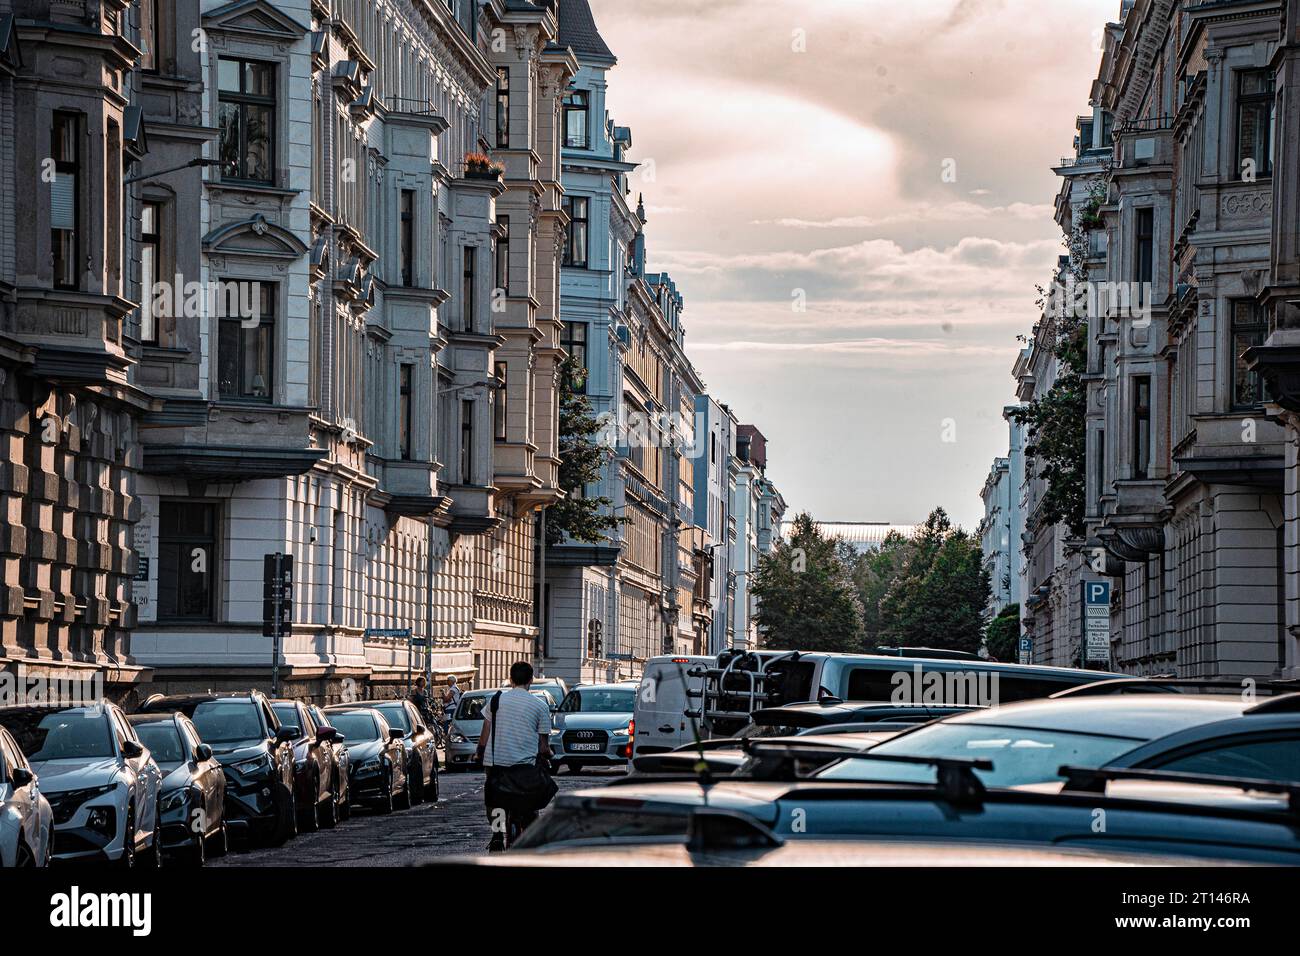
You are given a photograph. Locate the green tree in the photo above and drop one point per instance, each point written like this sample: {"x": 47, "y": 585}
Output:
{"x": 582, "y": 458}
{"x": 806, "y": 599}
{"x": 938, "y": 597}
{"x": 873, "y": 573}
{"x": 1003, "y": 635}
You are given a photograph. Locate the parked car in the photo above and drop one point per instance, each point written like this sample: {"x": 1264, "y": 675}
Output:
{"x": 593, "y": 727}
{"x": 1029, "y": 742}
{"x": 417, "y": 739}
{"x": 790, "y": 719}
{"x": 467, "y": 725}
{"x": 313, "y": 766}
{"x": 256, "y": 754}
{"x": 554, "y": 688}
{"x": 340, "y": 760}
{"x": 377, "y": 759}
{"x": 191, "y": 808}
{"x": 26, "y": 820}
{"x": 953, "y": 820}
{"x": 100, "y": 780}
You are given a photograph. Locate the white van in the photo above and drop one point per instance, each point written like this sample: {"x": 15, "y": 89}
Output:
{"x": 671, "y": 687}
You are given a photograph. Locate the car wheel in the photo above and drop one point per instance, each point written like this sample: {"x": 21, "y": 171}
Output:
{"x": 220, "y": 842}
{"x": 403, "y": 802}
{"x": 198, "y": 853}
{"x": 127, "y": 860}
{"x": 329, "y": 816}
{"x": 23, "y": 856}
{"x": 286, "y": 827}
{"x": 345, "y": 807}
{"x": 415, "y": 784}
{"x": 433, "y": 785}
{"x": 385, "y": 802}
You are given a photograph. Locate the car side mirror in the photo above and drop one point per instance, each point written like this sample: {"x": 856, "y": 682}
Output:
{"x": 324, "y": 733}
{"x": 420, "y": 729}
{"x": 131, "y": 749}
{"x": 202, "y": 752}
{"x": 21, "y": 777}
{"x": 395, "y": 734}
{"x": 287, "y": 733}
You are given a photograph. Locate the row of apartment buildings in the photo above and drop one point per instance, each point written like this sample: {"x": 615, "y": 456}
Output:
{"x": 372, "y": 232}
{"x": 1182, "y": 218}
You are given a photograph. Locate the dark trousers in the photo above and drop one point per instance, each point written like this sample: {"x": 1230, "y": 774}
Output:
{"x": 506, "y": 824}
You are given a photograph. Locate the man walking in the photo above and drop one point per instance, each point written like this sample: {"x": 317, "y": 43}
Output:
{"x": 514, "y": 747}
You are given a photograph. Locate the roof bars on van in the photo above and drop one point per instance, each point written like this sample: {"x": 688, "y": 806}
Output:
{"x": 1095, "y": 779}
{"x": 1172, "y": 685}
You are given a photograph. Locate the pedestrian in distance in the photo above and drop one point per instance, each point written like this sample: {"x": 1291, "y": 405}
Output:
{"x": 515, "y": 749}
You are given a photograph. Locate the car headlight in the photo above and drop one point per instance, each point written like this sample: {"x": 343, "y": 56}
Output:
{"x": 622, "y": 731}
{"x": 369, "y": 766}
{"x": 260, "y": 764}
{"x": 174, "y": 799}
{"x": 458, "y": 738}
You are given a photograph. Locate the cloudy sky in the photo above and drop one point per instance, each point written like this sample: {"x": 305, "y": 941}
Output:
{"x": 855, "y": 197}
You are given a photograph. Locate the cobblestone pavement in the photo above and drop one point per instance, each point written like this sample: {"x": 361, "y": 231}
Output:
{"x": 455, "y": 825}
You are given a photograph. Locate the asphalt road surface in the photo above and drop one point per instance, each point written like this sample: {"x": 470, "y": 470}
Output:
{"x": 454, "y": 826}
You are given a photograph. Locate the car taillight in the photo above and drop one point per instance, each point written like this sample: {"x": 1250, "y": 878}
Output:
{"x": 631, "y": 739}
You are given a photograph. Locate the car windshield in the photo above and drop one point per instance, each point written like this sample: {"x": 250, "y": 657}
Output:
{"x": 1019, "y": 755}
{"x": 395, "y": 714}
{"x": 287, "y": 715}
{"x": 75, "y": 734}
{"x": 224, "y": 722}
{"x": 471, "y": 708}
{"x": 600, "y": 702}
{"x": 163, "y": 740}
{"x": 355, "y": 728}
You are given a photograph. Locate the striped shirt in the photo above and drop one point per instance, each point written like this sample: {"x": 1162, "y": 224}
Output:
{"x": 520, "y": 717}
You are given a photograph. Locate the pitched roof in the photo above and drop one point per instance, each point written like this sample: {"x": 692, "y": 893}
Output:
{"x": 578, "y": 32}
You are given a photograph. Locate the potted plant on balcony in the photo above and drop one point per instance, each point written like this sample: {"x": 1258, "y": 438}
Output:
{"x": 480, "y": 166}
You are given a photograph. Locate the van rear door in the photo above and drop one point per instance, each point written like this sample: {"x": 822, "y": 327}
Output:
{"x": 662, "y": 702}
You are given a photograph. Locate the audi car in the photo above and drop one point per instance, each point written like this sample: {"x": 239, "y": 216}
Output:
{"x": 593, "y": 727}
{"x": 101, "y": 781}
{"x": 421, "y": 752}
{"x": 377, "y": 759}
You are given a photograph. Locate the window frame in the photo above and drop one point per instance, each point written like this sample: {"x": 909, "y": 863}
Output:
{"x": 406, "y": 203}
{"x": 1255, "y": 330}
{"x": 150, "y": 241}
{"x": 577, "y": 102}
{"x": 186, "y": 542}
{"x": 503, "y": 107}
{"x": 500, "y": 402}
{"x": 469, "y": 279}
{"x": 269, "y": 292}
{"x": 571, "y": 242}
{"x": 405, "y": 408}
{"x": 1140, "y": 400}
{"x": 242, "y": 100}
{"x": 1249, "y": 101}
{"x": 576, "y": 345}
{"x": 70, "y": 136}
{"x": 503, "y": 256}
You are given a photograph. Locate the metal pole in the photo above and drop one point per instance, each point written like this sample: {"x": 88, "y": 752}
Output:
{"x": 277, "y": 597}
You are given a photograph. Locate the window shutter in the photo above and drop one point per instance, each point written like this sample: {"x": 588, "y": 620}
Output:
{"x": 63, "y": 195}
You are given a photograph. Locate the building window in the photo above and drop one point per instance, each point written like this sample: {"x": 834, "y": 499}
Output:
{"x": 1144, "y": 247}
{"x": 245, "y": 348}
{"x": 187, "y": 539}
{"x": 1141, "y": 426}
{"x": 574, "y": 341}
{"x": 499, "y": 402}
{"x": 503, "y": 107}
{"x": 150, "y": 257}
{"x": 407, "y": 237}
{"x": 575, "y": 120}
{"x": 470, "y": 257}
{"x": 503, "y": 255}
{"x": 149, "y": 36}
{"x": 65, "y": 199}
{"x": 246, "y": 116}
{"x": 467, "y": 442}
{"x": 1248, "y": 330}
{"x": 1256, "y": 118}
{"x": 575, "y": 247}
{"x": 404, "y": 410}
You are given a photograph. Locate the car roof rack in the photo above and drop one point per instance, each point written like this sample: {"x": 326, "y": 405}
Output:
{"x": 1172, "y": 685}
{"x": 1095, "y": 779}
{"x": 955, "y": 776}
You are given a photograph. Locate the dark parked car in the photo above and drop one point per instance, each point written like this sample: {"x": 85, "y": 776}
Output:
{"x": 421, "y": 752}
{"x": 338, "y": 751}
{"x": 376, "y": 757}
{"x": 1029, "y": 742}
{"x": 191, "y": 808}
{"x": 255, "y": 752}
{"x": 790, "y": 719}
{"x": 313, "y": 766}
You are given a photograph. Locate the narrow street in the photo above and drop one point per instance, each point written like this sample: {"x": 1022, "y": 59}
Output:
{"x": 454, "y": 825}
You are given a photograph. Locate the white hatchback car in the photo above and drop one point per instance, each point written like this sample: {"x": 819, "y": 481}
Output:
{"x": 26, "y": 821}
{"x": 101, "y": 782}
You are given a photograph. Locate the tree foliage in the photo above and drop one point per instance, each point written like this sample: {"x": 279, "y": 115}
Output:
{"x": 806, "y": 599}
{"x": 1003, "y": 635}
{"x": 582, "y": 458}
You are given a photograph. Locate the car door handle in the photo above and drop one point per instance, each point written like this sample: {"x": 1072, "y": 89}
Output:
{"x": 666, "y": 729}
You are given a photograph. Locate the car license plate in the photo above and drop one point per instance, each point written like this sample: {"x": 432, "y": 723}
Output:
{"x": 584, "y": 746}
